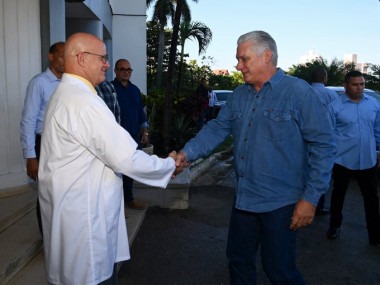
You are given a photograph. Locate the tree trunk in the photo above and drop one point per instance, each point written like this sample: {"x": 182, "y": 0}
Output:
{"x": 169, "y": 82}
{"x": 161, "y": 44}
{"x": 180, "y": 68}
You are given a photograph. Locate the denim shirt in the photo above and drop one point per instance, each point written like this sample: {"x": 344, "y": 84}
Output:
{"x": 283, "y": 143}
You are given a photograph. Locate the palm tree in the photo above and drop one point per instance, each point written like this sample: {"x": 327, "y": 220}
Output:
{"x": 189, "y": 30}
{"x": 169, "y": 80}
{"x": 163, "y": 10}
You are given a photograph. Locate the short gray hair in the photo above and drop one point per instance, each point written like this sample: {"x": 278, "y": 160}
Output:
{"x": 262, "y": 42}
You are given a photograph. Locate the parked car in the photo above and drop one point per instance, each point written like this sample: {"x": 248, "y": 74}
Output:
{"x": 221, "y": 98}
{"x": 340, "y": 90}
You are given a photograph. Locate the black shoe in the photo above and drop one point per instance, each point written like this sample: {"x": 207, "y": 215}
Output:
{"x": 333, "y": 233}
{"x": 374, "y": 242}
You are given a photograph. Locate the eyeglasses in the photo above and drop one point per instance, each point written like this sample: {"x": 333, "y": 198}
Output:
{"x": 122, "y": 69}
{"x": 103, "y": 57}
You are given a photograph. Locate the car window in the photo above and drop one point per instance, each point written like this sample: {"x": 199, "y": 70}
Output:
{"x": 222, "y": 96}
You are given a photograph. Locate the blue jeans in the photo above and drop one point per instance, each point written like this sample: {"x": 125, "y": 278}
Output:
{"x": 271, "y": 231}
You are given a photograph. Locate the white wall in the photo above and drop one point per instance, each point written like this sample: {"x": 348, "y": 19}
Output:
{"x": 129, "y": 37}
{"x": 20, "y": 60}
{"x": 27, "y": 29}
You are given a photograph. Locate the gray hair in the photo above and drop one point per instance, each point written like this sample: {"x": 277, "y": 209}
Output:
{"x": 262, "y": 42}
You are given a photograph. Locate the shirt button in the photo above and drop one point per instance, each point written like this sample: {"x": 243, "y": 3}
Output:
{"x": 243, "y": 157}
{"x": 254, "y": 109}
{"x": 250, "y": 124}
{"x": 242, "y": 175}
{"x": 245, "y": 140}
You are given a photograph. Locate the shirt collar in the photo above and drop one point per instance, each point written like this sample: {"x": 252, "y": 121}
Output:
{"x": 51, "y": 75}
{"x": 316, "y": 84}
{"x": 276, "y": 78}
{"x": 273, "y": 81}
{"x": 85, "y": 81}
{"x": 119, "y": 83}
{"x": 346, "y": 99}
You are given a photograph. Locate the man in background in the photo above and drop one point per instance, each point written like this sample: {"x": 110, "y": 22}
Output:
{"x": 211, "y": 104}
{"x": 38, "y": 93}
{"x": 355, "y": 117}
{"x": 319, "y": 80}
{"x": 107, "y": 92}
{"x": 133, "y": 120}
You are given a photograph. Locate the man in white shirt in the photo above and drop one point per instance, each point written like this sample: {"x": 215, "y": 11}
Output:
{"x": 84, "y": 151}
{"x": 38, "y": 93}
{"x": 211, "y": 104}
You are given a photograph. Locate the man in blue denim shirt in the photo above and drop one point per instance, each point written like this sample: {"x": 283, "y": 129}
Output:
{"x": 283, "y": 155}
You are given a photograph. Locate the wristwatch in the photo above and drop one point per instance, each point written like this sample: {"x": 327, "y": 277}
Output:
{"x": 147, "y": 134}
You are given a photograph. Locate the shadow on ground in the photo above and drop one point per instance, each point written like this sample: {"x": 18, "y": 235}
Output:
{"x": 188, "y": 246}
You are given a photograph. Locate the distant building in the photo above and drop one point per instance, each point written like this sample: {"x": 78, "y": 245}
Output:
{"x": 221, "y": 72}
{"x": 353, "y": 58}
{"x": 348, "y": 58}
{"x": 312, "y": 55}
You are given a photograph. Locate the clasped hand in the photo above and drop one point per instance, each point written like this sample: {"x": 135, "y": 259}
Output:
{"x": 180, "y": 162}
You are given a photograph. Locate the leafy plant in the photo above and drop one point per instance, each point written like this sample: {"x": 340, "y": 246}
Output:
{"x": 182, "y": 131}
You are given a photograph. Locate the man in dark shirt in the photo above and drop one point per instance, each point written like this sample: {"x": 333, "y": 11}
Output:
{"x": 132, "y": 118}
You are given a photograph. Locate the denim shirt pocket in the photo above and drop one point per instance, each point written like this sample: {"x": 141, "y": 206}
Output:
{"x": 277, "y": 125}
{"x": 235, "y": 115}
{"x": 235, "y": 118}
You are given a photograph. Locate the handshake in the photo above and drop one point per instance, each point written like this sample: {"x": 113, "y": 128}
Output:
{"x": 180, "y": 162}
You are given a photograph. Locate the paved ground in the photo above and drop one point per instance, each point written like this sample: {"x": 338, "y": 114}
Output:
{"x": 188, "y": 246}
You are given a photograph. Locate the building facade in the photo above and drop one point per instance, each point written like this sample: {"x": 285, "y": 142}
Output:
{"x": 353, "y": 58}
{"x": 29, "y": 27}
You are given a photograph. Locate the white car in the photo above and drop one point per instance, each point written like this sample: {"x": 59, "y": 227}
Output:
{"x": 221, "y": 98}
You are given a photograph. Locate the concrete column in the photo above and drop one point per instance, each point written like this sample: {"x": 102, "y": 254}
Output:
{"x": 75, "y": 25}
{"x": 129, "y": 37}
{"x": 52, "y": 17}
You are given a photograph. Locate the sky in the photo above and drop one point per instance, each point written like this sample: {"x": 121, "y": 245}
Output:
{"x": 331, "y": 27}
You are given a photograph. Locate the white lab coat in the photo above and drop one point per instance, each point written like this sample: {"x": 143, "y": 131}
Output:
{"x": 83, "y": 152}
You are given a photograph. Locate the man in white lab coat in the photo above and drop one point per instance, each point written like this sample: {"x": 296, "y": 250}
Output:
{"x": 83, "y": 154}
